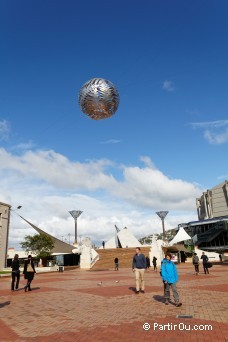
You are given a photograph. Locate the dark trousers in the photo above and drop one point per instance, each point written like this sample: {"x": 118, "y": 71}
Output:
{"x": 205, "y": 268}
{"x": 196, "y": 268}
{"x": 15, "y": 277}
{"x": 116, "y": 266}
{"x": 30, "y": 276}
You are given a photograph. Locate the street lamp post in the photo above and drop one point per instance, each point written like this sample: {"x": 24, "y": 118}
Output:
{"x": 162, "y": 215}
{"x": 75, "y": 214}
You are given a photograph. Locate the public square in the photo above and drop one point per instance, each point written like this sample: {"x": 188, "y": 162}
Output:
{"x": 74, "y": 306}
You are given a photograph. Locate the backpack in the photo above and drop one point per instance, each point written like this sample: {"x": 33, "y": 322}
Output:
{"x": 195, "y": 259}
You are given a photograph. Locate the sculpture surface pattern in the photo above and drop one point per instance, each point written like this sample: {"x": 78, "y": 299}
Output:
{"x": 98, "y": 98}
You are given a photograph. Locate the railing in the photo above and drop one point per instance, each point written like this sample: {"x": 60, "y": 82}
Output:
{"x": 93, "y": 262}
{"x": 210, "y": 234}
{"x": 95, "y": 258}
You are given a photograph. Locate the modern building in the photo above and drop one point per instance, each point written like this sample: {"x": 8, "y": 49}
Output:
{"x": 214, "y": 202}
{"x": 4, "y": 232}
{"x": 210, "y": 232}
{"x": 209, "y": 235}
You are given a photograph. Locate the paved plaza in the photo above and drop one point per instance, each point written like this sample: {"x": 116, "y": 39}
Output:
{"x": 74, "y": 306}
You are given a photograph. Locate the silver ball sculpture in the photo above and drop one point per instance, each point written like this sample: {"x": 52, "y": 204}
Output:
{"x": 98, "y": 98}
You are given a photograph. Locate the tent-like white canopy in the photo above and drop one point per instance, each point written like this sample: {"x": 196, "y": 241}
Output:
{"x": 181, "y": 236}
{"x": 126, "y": 239}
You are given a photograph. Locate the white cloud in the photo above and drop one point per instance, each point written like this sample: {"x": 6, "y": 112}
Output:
{"x": 215, "y": 132}
{"x": 168, "y": 86}
{"x": 216, "y": 138}
{"x": 224, "y": 177}
{"x": 211, "y": 124}
{"x": 111, "y": 141}
{"x": 4, "y": 129}
{"x": 150, "y": 188}
{"x": 48, "y": 185}
{"x": 23, "y": 146}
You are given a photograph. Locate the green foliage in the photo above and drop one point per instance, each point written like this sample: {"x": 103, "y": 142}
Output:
{"x": 39, "y": 244}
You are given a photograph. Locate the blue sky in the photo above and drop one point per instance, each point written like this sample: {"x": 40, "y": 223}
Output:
{"x": 166, "y": 143}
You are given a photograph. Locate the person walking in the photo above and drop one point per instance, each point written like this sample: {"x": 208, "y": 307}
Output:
{"x": 103, "y": 244}
{"x": 116, "y": 261}
{"x": 15, "y": 272}
{"x": 138, "y": 266}
{"x": 195, "y": 261}
{"x": 29, "y": 271}
{"x": 155, "y": 263}
{"x": 170, "y": 277}
{"x": 147, "y": 263}
{"x": 205, "y": 259}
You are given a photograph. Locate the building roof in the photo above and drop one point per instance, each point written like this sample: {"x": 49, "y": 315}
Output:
{"x": 212, "y": 220}
{"x": 180, "y": 236}
{"x": 175, "y": 248}
{"x": 59, "y": 246}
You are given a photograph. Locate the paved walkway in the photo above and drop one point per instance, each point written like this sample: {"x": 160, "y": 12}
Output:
{"x": 71, "y": 306}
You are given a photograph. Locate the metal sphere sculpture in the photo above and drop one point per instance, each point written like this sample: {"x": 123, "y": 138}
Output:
{"x": 98, "y": 98}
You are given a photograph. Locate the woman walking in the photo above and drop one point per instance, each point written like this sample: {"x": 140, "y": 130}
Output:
{"x": 29, "y": 271}
{"x": 169, "y": 277}
{"x": 15, "y": 272}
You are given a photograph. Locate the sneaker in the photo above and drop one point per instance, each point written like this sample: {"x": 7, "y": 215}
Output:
{"x": 136, "y": 292}
{"x": 142, "y": 291}
{"x": 178, "y": 305}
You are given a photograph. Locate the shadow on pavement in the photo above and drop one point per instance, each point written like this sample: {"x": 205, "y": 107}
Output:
{"x": 35, "y": 288}
{"x": 159, "y": 298}
{"x": 4, "y": 304}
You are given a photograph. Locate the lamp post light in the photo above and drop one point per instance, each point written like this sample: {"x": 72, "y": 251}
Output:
{"x": 162, "y": 215}
{"x": 75, "y": 214}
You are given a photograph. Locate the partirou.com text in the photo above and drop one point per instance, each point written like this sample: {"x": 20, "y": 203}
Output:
{"x": 180, "y": 326}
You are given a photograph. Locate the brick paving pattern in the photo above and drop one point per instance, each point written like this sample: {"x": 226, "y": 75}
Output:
{"x": 73, "y": 306}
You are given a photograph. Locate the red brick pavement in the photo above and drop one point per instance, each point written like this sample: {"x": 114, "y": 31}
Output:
{"x": 72, "y": 307}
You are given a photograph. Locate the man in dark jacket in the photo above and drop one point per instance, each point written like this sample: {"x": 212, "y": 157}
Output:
{"x": 139, "y": 266}
{"x": 116, "y": 261}
{"x": 204, "y": 257}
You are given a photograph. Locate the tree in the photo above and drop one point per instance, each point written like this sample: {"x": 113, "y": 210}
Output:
{"x": 39, "y": 244}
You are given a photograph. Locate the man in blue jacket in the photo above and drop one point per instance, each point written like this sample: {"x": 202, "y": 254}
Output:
{"x": 139, "y": 266}
{"x": 170, "y": 277}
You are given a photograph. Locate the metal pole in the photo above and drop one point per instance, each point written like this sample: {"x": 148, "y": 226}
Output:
{"x": 163, "y": 229}
{"x": 162, "y": 215}
{"x": 76, "y": 232}
{"x": 75, "y": 214}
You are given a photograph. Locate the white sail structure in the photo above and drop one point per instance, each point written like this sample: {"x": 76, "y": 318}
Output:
{"x": 180, "y": 236}
{"x": 122, "y": 239}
